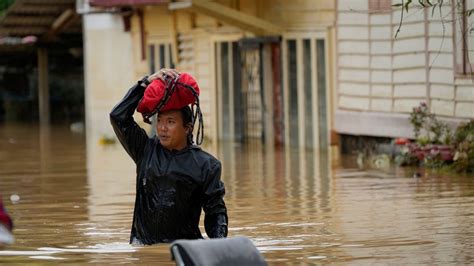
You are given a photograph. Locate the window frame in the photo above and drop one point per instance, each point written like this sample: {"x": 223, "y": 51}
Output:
{"x": 299, "y": 38}
{"x": 155, "y": 59}
{"x": 463, "y": 66}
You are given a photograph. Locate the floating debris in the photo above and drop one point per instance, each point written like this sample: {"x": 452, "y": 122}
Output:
{"x": 380, "y": 161}
{"x": 77, "y": 127}
{"x": 106, "y": 140}
{"x": 14, "y": 198}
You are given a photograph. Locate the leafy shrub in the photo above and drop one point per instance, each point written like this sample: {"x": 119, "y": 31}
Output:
{"x": 464, "y": 148}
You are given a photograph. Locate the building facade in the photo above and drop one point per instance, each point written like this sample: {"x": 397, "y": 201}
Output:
{"x": 264, "y": 67}
{"x": 380, "y": 78}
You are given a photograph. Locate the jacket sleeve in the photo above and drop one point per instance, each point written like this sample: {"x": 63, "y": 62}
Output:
{"x": 215, "y": 219}
{"x": 129, "y": 133}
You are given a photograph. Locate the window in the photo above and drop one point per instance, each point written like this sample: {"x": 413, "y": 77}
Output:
{"x": 305, "y": 92}
{"x": 231, "y": 99}
{"x": 378, "y": 6}
{"x": 464, "y": 37}
{"x": 159, "y": 56}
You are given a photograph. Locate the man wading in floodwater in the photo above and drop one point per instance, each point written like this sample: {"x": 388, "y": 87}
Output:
{"x": 175, "y": 178}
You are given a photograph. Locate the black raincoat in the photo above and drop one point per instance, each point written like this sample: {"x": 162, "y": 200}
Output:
{"x": 172, "y": 186}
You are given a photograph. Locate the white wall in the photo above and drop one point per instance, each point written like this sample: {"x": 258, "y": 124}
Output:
{"x": 109, "y": 72}
{"x": 383, "y": 76}
{"x": 108, "y": 69}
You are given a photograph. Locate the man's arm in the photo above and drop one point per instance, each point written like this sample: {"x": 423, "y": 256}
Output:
{"x": 129, "y": 133}
{"x": 215, "y": 220}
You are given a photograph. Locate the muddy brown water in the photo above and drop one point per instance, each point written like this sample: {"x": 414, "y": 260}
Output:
{"x": 76, "y": 201}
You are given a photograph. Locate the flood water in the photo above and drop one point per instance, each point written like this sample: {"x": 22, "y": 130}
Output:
{"x": 76, "y": 201}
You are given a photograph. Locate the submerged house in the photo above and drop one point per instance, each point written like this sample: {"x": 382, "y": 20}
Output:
{"x": 264, "y": 67}
{"x": 380, "y": 78}
{"x": 297, "y": 73}
{"x": 41, "y": 75}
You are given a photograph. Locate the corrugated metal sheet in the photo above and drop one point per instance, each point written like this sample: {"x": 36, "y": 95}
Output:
{"x": 36, "y": 17}
{"x": 111, "y": 3}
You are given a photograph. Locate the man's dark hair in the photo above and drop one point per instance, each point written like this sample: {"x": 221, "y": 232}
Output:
{"x": 187, "y": 115}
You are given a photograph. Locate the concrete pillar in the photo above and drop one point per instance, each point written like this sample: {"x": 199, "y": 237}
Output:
{"x": 43, "y": 86}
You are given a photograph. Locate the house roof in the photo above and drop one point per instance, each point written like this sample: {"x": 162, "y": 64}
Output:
{"x": 209, "y": 8}
{"x": 230, "y": 16}
{"x": 31, "y": 21}
{"x": 112, "y": 3}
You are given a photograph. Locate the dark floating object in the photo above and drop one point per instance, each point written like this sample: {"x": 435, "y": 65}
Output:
{"x": 222, "y": 251}
{"x": 416, "y": 175}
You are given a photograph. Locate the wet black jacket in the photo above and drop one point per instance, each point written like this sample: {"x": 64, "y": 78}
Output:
{"x": 172, "y": 186}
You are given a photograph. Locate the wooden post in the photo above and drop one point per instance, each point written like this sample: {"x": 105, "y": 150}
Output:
{"x": 268, "y": 92}
{"x": 142, "y": 33}
{"x": 43, "y": 86}
{"x": 277, "y": 95}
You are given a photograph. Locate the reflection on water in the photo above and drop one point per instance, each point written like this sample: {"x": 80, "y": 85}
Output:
{"x": 76, "y": 205}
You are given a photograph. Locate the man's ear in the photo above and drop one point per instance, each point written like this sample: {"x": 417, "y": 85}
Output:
{"x": 189, "y": 128}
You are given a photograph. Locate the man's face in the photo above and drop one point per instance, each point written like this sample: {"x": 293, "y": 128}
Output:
{"x": 171, "y": 131}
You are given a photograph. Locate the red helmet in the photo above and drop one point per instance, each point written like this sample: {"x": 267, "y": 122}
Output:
{"x": 172, "y": 94}
{"x": 185, "y": 92}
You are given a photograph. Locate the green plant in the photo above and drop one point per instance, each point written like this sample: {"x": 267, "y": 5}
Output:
{"x": 435, "y": 5}
{"x": 418, "y": 117}
{"x": 464, "y": 148}
{"x": 4, "y": 5}
{"x": 433, "y": 146}
{"x": 434, "y": 160}
{"x": 406, "y": 156}
{"x": 437, "y": 146}
{"x": 436, "y": 132}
